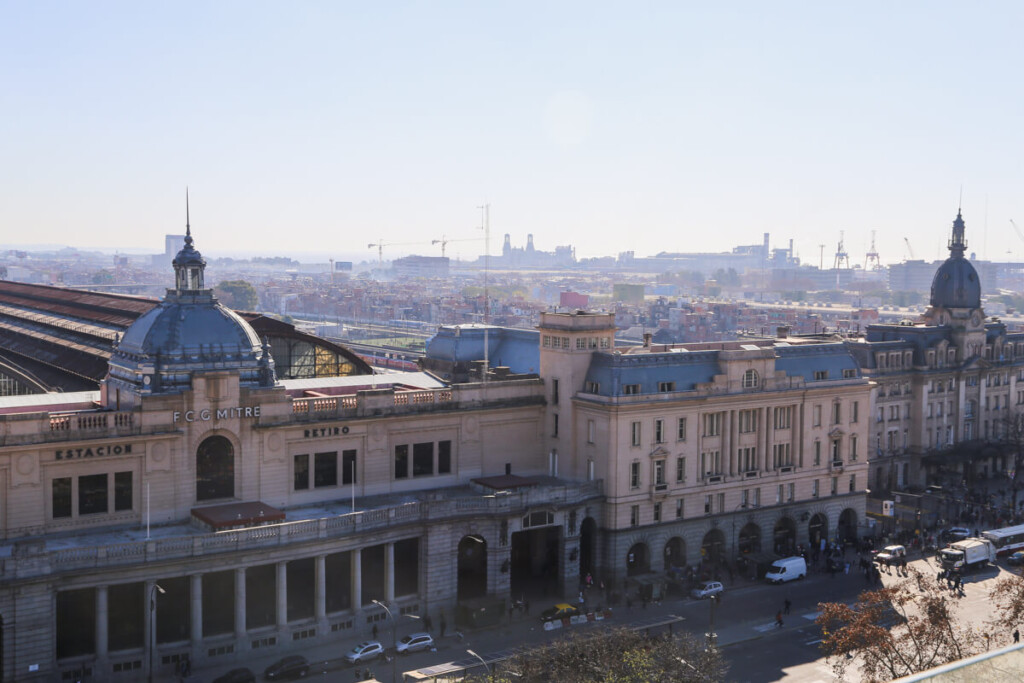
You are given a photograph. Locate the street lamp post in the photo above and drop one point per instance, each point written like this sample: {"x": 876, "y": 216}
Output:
{"x": 152, "y": 624}
{"x": 394, "y": 641}
{"x": 735, "y": 552}
{"x": 711, "y": 635}
{"x": 486, "y": 668}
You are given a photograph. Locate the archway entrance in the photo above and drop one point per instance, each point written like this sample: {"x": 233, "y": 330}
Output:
{"x": 712, "y": 549}
{"x": 750, "y": 540}
{"x": 588, "y": 545}
{"x": 472, "y": 568}
{"x": 847, "y": 530}
{"x": 675, "y": 553}
{"x": 817, "y": 530}
{"x": 215, "y": 469}
{"x": 784, "y": 537}
{"x": 638, "y": 560}
{"x": 536, "y": 570}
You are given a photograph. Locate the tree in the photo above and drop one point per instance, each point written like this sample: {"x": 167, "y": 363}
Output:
{"x": 1013, "y": 430}
{"x": 238, "y": 294}
{"x": 909, "y": 627}
{"x": 617, "y": 655}
{"x": 1008, "y": 596}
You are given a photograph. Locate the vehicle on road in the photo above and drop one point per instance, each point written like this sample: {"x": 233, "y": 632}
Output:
{"x": 707, "y": 589}
{"x": 1016, "y": 559}
{"x": 292, "y": 666}
{"x": 956, "y": 533}
{"x": 414, "y": 642}
{"x": 364, "y": 651}
{"x": 239, "y": 675}
{"x": 1006, "y": 540}
{"x": 968, "y": 554}
{"x": 786, "y": 569}
{"x": 891, "y": 554}
{"x": 562, "y": 610}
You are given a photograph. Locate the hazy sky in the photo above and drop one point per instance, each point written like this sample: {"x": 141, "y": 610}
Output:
{"x": 679, "y": 126}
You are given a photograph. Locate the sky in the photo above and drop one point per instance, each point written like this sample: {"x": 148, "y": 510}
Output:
{"x": 317, "y": 128}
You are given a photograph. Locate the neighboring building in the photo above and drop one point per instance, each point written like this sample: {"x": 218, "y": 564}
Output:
{"x": 948, "y": 386}
{"x": 709, "y": 452}
{"x": 421, "y": 266}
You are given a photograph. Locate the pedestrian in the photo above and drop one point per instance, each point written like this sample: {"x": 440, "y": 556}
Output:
{"x": 785, "y": 606}
{"x": 778, "y": 620}
{"x": 1016, "y": 635}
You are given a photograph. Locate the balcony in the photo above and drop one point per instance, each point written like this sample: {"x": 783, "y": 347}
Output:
{"x": 713, "y": 479}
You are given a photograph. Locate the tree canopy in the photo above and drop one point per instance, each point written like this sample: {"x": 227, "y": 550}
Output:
{"x": 238, "y": 295}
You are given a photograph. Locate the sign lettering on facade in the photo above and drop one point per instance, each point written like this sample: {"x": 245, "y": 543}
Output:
{"x": 93, "y": 451}
{"x": 323, "y": 431}
{"x": 205, "y": 415}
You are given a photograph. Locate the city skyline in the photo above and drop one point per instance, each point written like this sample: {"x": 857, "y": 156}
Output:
{"x": 324, "y": 127}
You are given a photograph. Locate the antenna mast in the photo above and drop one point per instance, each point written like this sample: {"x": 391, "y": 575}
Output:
{"x": 486, "y": 209}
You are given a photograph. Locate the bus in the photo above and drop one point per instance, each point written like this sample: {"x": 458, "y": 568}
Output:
{"x": 1006, "y": 540}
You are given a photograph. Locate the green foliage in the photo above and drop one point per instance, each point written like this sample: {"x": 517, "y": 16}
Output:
{"x": 102, "y": 277}
{"x": 613, "y": 656}
{"x": 727, "y": 278}
{"x": 238, "y": 295}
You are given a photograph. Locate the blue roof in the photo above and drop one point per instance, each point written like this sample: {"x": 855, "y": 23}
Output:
{"x": 804, "y": 360}
{"x": 612, "y": 371}
{"x": 516, "y": 349}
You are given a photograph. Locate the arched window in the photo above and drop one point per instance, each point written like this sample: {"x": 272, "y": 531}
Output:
{"x": 215, "y": 469}
{"x": 750, "y": 379}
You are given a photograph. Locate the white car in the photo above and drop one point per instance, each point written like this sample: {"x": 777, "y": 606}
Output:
{"x": 414, "y": 642}
{"x": 707, "y": 589}
{"x": 366, "y": 650}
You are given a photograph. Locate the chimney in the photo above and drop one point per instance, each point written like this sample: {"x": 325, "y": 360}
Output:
{"x": 647, "y": 340}
{"x": 782, "y": 332}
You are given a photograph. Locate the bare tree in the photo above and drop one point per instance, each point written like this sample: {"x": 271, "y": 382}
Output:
{"x": 1013, "y": 427}
{"x": 613, "y": 656}
{"x": 1008, "y": 596}
{"x": 906, "y": 628}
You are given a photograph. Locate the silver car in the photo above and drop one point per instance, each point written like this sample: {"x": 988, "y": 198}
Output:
{"x": 414, "y": 642}
{"x": 364, "y": 651}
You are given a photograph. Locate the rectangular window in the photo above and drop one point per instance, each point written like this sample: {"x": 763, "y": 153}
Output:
{"x": 814, "y": 488}
{"x": 301, "y": 473}
{"x": 778, "y": 495}
{"x": 634, "y": 515}
{"x": 711, "y": 463}
{"x": 659, "y": 472}
{"x": 657, "y": 512}
{"x": 782, "y": 455}
{"x": 679, "y": 508}
{"x": 423, "y": 459}
{"x": 634, "y": 475}
{"x": 817, "y": 416}
{"x": 554, "y": 391}
{"x": 721, "y": 502}
{"x": 791, "y": 493}
{"x": 853, "y": 448}
{"x": 92, "y": 494}
{"x": 744, "y": 498}
{"x": 849, "y": 373}
{"x": 62, "y": 497}
{"x": 122, "y": 491}
{"x": 817, "y": 453}
{"x": 757, "y": 498}
{"x": 680, "y": 470}
{"x": 783, "y": 417}
{"x": 712, "y": 424}
{"x": 853, "y": 483}
{"x": 681, "y": 429}
{"x": 590, "y": 431}
{"x": 835, "y": 485}
{"x": 635, "y": 433}
{"x": 630, "y": 389}
{"x": 707, "y": 505}
{"x": 581, "y": 343}
{"x": 747, "y": 421}
{"x": 666, "y": 387}
{"x": 855, "y": 414}
{"x": 605, "y": 342}
{"x": 659, "y": 431}
{"x": 554, "y": 425}
{"x": 836, "y": 413}
{"x": 592, "y": 387}
{"x": 821, "y": 374}
{"x": 401, "y": 461}
{"x": 325, "y": 470}
{"x": 348, "y": 466}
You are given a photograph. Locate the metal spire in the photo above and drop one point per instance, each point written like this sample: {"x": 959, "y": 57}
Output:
{"x": 188, "y": 226}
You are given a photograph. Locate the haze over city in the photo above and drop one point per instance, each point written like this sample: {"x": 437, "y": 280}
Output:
{"x": 319, "y": 127}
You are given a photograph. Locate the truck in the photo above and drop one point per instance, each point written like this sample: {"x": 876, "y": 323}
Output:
{"x": 968, "y": 554}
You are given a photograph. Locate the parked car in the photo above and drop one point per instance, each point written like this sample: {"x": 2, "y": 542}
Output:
{"x": 365, "y": 651}
{"x": 1016, "y": 558}
{"x": 292, "y": 666}
{"x": 240, "y": 675}
{"x": 957, "y": 533}
{"x": 707, "y": 589}
{"x": 414, "y": 642}
{"x": 562, "y": 610}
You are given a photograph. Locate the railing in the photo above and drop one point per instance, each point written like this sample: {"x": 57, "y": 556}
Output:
{"x": 257, "y": 539}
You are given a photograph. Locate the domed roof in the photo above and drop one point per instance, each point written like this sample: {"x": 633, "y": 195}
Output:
{"x": 189, "y": 332}
{"x": 956, "y": 283}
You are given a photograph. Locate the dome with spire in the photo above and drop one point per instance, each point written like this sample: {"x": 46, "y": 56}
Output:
{"x": 956, "y": 283}
{"x": 189, "y": 332}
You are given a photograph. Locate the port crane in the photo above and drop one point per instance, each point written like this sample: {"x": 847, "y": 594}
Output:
{"x": 910, "y": 249}
{"x": 872, "y": 260}
{"x": 380, "y": 244}
{"x": 444, "y": 241}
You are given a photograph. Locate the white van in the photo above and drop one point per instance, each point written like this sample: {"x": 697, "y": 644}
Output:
{"x": 786, "y": 569}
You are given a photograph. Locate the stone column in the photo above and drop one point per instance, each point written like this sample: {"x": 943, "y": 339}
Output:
{"x": 240, "y": 615}
{"x": 357, "y": 580}
{"x": 282, "y": 595}
{"x": 320, "y": 591}
{"x": 101, "y": 623}
{"x": 389, "y": 572}
{"x": 196, "y": 581}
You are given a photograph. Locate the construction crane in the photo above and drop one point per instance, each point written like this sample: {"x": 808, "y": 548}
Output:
{"x": 444, "y": 241}
{"x": 872, "y": 256}
{"x": 910, "y": 249}
{"x": 379, "y": 246}
{"x": 841, "y": 256}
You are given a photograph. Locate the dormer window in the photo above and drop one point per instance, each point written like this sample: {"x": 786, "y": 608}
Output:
{"x": 750, "y": 380}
